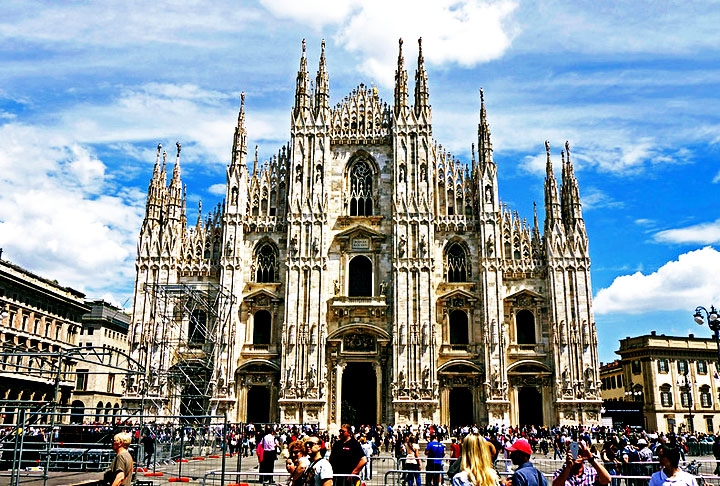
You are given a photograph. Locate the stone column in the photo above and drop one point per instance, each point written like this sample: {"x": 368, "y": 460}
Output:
{"x": 339, "y": 368}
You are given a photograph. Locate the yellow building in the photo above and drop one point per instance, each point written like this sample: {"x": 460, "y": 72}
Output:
{"x": 673, "y": 380}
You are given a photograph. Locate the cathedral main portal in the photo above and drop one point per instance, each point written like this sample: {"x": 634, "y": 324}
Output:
{"x": 359, "y": 394}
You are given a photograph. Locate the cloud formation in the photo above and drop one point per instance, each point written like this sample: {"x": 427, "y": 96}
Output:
{"x": 677, "y": 285}
{"x": 703, "y": 234}
{"x": 465, "y": 32}
{"x": 62, "y": 211}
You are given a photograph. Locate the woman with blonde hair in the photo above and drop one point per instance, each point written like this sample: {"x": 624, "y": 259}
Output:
{"x": 476, "y": 466}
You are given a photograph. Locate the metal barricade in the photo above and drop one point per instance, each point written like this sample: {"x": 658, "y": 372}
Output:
{"x": 378, "y": 466}
{"x": 400, "y": 477}
{"x": 229, "y": 478}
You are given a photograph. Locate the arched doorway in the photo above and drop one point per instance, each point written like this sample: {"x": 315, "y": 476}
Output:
{"x": 77, "y": 412}
{"x": 461, "y": 407}
{"x": 258, "y": 405}
{"x": 530, "y": 413}
{"x": 359, "y": 395}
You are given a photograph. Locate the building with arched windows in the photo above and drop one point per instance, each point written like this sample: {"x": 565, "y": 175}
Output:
{"x": 363, "y": 274}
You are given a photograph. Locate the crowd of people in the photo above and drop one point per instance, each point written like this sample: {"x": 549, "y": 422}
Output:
{"x": 468, "y": 455}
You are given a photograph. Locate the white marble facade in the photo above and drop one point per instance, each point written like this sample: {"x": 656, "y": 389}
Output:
{"x": 365, "y": 274}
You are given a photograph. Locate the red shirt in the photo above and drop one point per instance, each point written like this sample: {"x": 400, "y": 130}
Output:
{"x": 454, "y": 450}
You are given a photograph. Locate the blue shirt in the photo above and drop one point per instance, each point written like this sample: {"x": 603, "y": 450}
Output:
{"x": 527, "y": 475}
{"x": 435, "y": 449}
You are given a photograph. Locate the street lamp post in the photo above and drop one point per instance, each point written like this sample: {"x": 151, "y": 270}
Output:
{"x": 688, "y": 389}
{"x": 713, "y": 322}
{"x": 634, "y": 394}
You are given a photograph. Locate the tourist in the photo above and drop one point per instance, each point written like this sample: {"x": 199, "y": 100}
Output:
{"x": 576, "y": 473}
{"x": 120, "y": 472}
{"x": 476, "y": 466}
{"x": 526, "y": 474}
{"x": 670, "y": 474}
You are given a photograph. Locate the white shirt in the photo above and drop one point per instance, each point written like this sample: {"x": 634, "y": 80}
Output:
{"x": 681, "y": 478}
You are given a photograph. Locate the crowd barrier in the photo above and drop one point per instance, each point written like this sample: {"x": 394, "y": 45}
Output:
{"x": 230, "y": 478}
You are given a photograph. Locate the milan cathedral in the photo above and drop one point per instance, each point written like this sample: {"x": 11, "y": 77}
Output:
{"x": 364, "y": 274}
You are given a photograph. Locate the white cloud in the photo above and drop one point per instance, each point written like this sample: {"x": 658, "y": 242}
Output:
{"x": 315, "y": 13}
{"x": 60, "y": 214}
{"x": 217, "y": 189}
{"x": 155, "y": 111}
{"x": 121, "y": 23}
{"x": 463, "y": 32}
{"x": 593, "y": 198}
{"x": 620, "y": 27}
{"x": 676, "y": 285}
{"x": 703, "y": 233}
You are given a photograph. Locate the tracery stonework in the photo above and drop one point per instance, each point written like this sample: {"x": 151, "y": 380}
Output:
{"x": 364, "y": 243}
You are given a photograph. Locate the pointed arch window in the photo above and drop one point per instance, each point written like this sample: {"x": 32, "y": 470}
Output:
{"x": 525, "y": 327}
{"x": 457, "y": 264}
{"x": 361, "y": 189}
{"x": 360, "y": 281}
{"x": 266, "y": 270}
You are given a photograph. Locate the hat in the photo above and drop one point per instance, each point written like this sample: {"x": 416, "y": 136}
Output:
{"x": 521, "y": 445}
{"x": 642, "y": 442}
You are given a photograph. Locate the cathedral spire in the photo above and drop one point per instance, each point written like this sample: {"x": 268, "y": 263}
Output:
{"x": 536, "y": 225}
{"x": 302, "y": 95}
{"x": 570, "y": 195}
{"x": 474, "y": 163}
{"x": 176, "y": 169}
{"x": 322, "y": 84}
{"x": 552, "y": 206}
{"x": 156, "y": 169}
{"x": 240, "y": 139}
{"x": 163, "y": 169}
{"x": 422, "y": 94}
{"x": 156, "y": 189}
{"x": 401, "y": 88}
{"x": 255, "y": 163}
{"x": 485, "y": 150}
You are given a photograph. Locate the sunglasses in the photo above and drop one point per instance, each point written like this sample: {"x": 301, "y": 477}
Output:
{"x": 311, "y": 443}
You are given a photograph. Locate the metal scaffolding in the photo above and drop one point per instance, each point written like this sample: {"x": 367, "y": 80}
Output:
{"x": 180, "y": 348}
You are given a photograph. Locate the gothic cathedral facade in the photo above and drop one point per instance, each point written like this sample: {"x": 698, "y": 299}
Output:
{"x": 365, "y": 275}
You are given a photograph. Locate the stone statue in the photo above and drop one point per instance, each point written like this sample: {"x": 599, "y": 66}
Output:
{"x": 311, "y": 376}
{"x": 401, "y": 380}
{"x": 401, "y": 245}
{"x": 422, "y": 246}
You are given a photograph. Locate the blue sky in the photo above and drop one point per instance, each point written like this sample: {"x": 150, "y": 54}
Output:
{"x": 88, "y": 90}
